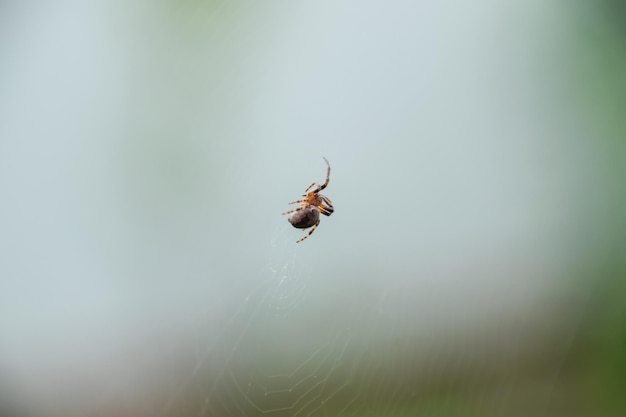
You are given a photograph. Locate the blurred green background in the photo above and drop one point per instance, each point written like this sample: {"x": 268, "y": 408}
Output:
{"x": 475, "y": 263}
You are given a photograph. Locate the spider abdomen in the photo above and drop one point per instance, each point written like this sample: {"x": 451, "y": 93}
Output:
{"x": 305, "y": 217}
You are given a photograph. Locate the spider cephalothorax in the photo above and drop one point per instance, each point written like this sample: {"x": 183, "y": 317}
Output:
{"x": 314, "y": 203}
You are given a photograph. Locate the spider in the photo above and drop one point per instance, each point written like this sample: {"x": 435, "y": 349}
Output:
{"x": 314, "y": 203}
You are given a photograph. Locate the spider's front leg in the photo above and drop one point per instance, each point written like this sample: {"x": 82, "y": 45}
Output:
{"x": 310, "y": 186}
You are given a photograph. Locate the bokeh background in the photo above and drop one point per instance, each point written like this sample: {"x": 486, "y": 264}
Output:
{"x": 475, "y": 264}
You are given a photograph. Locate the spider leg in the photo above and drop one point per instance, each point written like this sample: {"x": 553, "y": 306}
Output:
{"x": 293, "y": 211}
{"x": 321, "y": 187}
{"x": 310, "y": 232}
{"x": 310, "y": 186}
{"x": 326, "y": 209}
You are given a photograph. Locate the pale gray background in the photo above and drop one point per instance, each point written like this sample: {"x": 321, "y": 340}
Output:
{"x": 147, "y": 150}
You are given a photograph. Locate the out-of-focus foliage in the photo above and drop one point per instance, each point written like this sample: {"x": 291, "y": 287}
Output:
{"x": 601, "y": 78}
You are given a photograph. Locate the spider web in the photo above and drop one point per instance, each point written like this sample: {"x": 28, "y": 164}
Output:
{"x": 279, "y": 355}
{"x": 265, "y": 361}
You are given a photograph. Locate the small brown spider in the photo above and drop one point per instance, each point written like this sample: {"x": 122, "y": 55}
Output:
{"x": 314, "y": 203}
